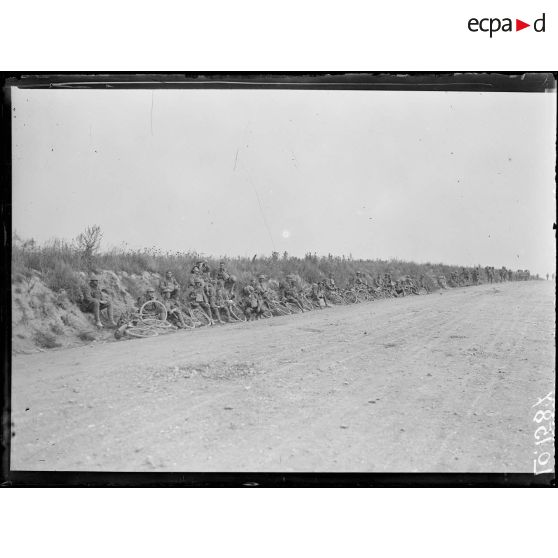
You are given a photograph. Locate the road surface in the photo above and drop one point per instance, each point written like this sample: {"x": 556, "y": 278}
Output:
{"x": 444, "y": 382}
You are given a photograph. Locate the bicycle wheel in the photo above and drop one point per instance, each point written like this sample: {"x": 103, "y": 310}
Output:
{"x": 335, "y": 298}
{"x": 189, "y": 322}
{"x": 237, "y": 313}
{"x": 162, "y": 311}
{"x": 141, "y": 332}
{"x": 350, "y": 297}
{"x": 306, "y": 303}
{"x": 200, "y": 317}
{"x": 293, "y": 308}
{"x": 278, "y": 309}
{"x": 156, "y": 323}
{"x": 266, "y": 313}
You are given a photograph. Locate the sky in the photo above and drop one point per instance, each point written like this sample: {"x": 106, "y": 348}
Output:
{"x": 461, "y": 178}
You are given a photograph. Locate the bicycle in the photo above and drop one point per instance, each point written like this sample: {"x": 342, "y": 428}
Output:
{"x": 147, "y": 322}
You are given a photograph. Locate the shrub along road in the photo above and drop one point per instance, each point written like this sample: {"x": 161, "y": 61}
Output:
{"x": 444, "y": 382}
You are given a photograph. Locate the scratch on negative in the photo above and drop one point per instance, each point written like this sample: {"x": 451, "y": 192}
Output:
{"x": 235, "y": 160}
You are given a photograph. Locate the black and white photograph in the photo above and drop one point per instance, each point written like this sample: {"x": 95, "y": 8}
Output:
{"x": 322, "y": 273}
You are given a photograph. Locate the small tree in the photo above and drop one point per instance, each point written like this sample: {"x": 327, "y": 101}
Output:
{"x": 88, "y": 243}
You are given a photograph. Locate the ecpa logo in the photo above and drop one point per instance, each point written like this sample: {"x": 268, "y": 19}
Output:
{"x": 494, "y": 24}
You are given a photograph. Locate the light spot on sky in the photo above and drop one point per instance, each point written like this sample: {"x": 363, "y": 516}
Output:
{"x": 285, "y": 234}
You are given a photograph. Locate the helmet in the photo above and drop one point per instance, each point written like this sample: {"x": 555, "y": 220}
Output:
{"x": 93, "y": 278}
{"x": 150, "y": 290}
{"x": 261, "y": 276}
{"x": 232, "y": 278}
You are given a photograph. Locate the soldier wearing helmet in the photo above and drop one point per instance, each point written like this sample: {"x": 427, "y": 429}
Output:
{"x": 96, "y": 300}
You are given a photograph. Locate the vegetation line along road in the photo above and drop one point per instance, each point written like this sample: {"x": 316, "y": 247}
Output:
{"x": 53, "y": 305}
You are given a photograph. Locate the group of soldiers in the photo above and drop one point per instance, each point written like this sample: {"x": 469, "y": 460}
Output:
{"x": 478, "y": 275}
{"x": 217, "y": 294}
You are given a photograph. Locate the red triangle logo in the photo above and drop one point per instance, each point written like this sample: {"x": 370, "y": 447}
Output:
{"x": 519, "y": 25}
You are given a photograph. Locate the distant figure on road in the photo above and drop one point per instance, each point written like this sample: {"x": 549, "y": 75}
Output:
{"x": 96, "y": 299}
{"x": 547, "y": 276}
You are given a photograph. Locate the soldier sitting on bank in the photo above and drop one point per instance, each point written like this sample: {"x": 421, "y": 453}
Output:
{"x": 400, "y": 289}
{"x": 475, "y": 276}
{"x": 96, "y": 299}
{"x": 169, "y": 284}
{"x": 211, "y": 294}
{"x": 389, "y": 285}
{"x": 204, "y": 269}
{"x": 264, "y": 293}
{"x": 150, "y": 309}
{"x": 318, "y": 295}
{"x": 329, "y": 283}
{"x": 195, "y": 273}
{"x": 174, "y": 314}
{"x": 289, "y": 292}
{"x": 360, "y": 282}
{"x": 230, "y": 285}
{"x": 250, "y": 303}
{"x": 222, "y": 299}
{"x": 198, "y": 299}
{"x": 222, "y": 273}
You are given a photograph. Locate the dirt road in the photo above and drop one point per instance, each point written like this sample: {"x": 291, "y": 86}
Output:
{"x": 444, "y": 382}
